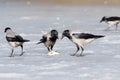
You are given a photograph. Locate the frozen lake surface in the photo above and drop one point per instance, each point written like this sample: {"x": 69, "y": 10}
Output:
{"x": 101, "y": 60}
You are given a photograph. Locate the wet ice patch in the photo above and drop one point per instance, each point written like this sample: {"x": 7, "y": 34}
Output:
{"x": 28, "y": 17}
{"x": 85, "y": 68}
{"x": 11, "y": 75}
{"x": 53, "y": 53}
{"x": 85, "y": 75}
{"x": 117, "y": 56}
{"x": 25, "y": 18}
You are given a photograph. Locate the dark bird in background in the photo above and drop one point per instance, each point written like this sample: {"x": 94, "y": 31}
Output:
{"x": 80, "y": 39}
{"x": 114, "y": 20}
{"x": 49, "y": 39}
{"x": 14, "y": 40}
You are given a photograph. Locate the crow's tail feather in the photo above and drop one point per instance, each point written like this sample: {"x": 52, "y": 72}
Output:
{"x": 26, "y": 40}
{"x": 99, "y": 36}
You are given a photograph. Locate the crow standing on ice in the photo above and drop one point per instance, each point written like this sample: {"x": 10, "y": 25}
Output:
{"x": 49, "y": 39}
{"x": 114, "y": 20}
{"x": 80, "y": 39}
{"x": 14, "y": 40}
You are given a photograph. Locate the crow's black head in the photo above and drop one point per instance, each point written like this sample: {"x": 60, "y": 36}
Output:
{"x": 7, "y": 28}
{"x": 54, "y": 33}
{"x": 66, "y": 33}
{"x": 103, "y": 19}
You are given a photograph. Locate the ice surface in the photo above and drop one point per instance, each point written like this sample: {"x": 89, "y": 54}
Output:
{"x": 101, "y": 60}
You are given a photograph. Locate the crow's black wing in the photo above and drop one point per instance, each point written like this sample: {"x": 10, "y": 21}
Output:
{"x": 20, "y": 39}
{"x": 87, "y": 36}
{"x": 113, "y": 18}
{"x": 44, "y": 39}
{"x": 84, "y": 35}
{"x": 17, "y": 38}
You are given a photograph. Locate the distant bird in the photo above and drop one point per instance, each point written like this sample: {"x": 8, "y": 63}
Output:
{"x": 80, "y": 39}
{"x": 114, "y": 20}
{"x": 14, "y": 40}
{"x": 49, "y": 39}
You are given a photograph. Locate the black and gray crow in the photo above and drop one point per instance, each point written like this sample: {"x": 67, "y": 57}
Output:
{"x": 114, "y": 20}
{"x": 80, "y": 39}
{"x": 49, "y": 39}
{"x": 14, "y": 40}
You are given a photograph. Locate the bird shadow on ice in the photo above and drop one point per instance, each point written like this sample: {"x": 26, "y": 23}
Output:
{"x": 83, "y": 55}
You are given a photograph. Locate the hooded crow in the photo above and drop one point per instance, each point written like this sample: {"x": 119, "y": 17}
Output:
{"x": 114, "y": 20}
{"x": 49, "y": 39}
{"x": 14, "y": 40}
{"x": 80, "y": 39}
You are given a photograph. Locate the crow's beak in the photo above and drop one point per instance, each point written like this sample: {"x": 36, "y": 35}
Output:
{"x": 62, "y": 36}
